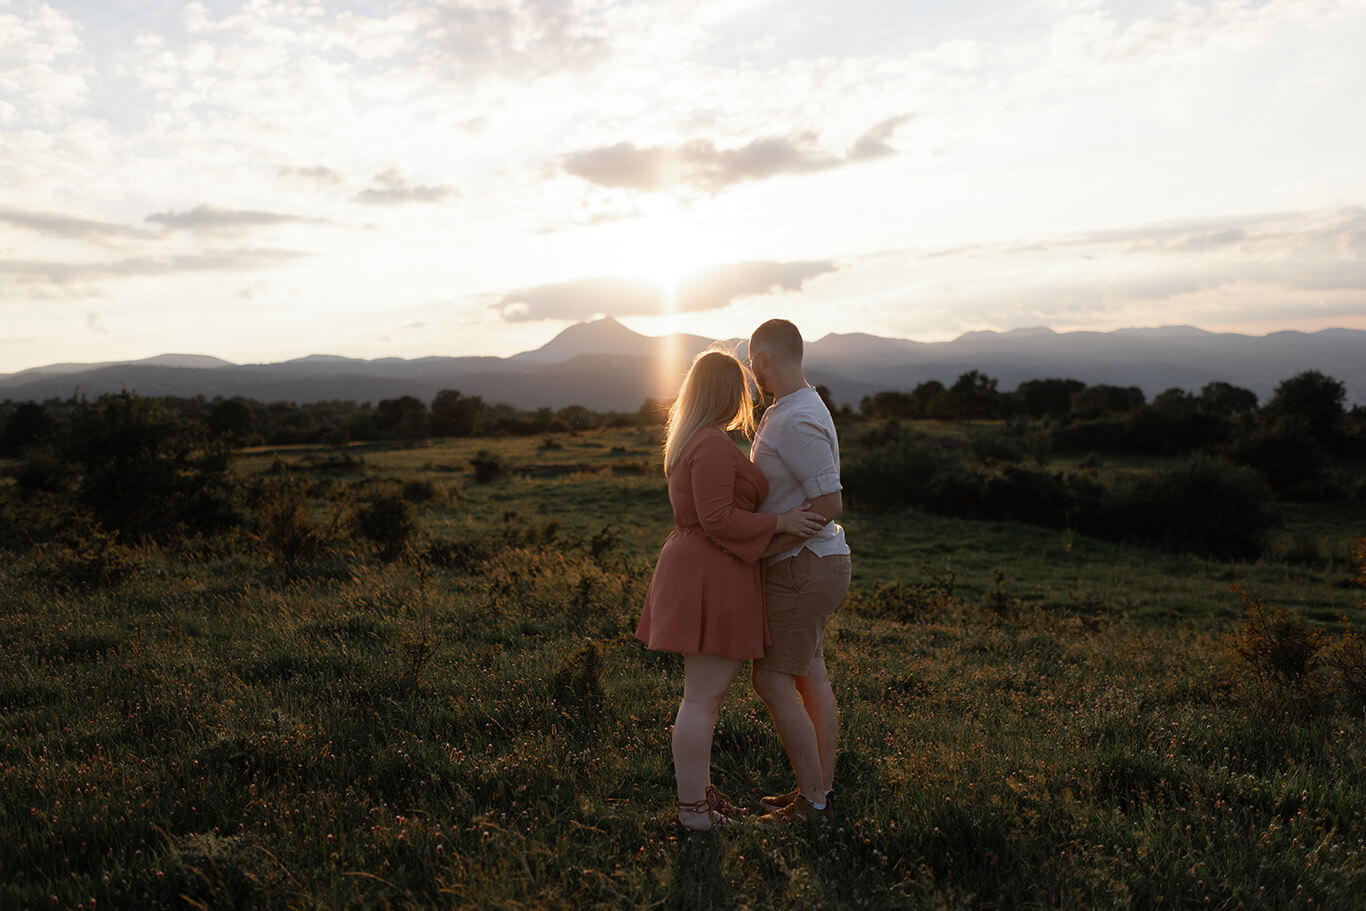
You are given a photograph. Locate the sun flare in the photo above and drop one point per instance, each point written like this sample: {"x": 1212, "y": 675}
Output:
{"x": 667, "y": 247}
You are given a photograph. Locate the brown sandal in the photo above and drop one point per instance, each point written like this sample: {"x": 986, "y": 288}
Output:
{"x": 721, "y": 803}
{"x": 715, "y": 819}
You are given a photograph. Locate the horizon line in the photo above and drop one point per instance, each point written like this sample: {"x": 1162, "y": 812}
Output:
{"x": 589, "y": 322}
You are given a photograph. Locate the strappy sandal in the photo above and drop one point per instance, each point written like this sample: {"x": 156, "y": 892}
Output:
{"x": 721, "y": 803}
{"x": 715, "y": 819}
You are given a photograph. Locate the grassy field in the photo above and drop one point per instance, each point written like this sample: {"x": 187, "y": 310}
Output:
{"x": 1030, "y": 718}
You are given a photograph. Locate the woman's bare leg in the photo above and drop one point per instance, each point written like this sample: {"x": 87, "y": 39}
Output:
{"x": 706, "y": 679}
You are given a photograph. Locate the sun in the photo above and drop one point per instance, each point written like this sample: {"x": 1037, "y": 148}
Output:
{"x": 666, "y": 247}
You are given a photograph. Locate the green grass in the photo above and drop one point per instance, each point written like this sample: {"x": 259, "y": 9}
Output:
{"x": 224, "y": 732}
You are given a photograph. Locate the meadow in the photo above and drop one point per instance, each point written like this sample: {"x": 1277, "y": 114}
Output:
{"x": 447, "y": 708}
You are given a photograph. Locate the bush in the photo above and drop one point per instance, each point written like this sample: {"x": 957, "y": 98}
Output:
{"x": 488, "y": 466}
{"x": 389, "y": 523}
{"x": 1203, "y": 507}
{"x": 990, "y": 448}
{"x": 1028, "y": 496}
{"x": 577, "y": 683}
{"x": 42, "y": 470}
{"x": 893, "y": 467}
{"x": 1279, "y": 646}
{"x": 1287, "y": 457}
{"x": 146, "y": 473}
{"x": 1347, "y": 656}
{"x": 905, "y": 603}
{"x": 85, "y": 557}
{"x": 286, "y": 534}
{"x": 422, "y": 490}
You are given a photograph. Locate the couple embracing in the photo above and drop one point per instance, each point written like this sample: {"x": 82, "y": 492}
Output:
{"x": 754, "y": 569}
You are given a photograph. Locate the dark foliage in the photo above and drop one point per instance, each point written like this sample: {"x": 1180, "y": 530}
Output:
{"x": 488, "y": 466}
{"x": 1312, "y": 401}
{"x": 1288, "y": 458}
{"x": 146, "y": 473}
{"x": 30, "y": 424}
{"x": 1203, "y": 506}
{"x": 1047, "y": 398}
{"x": 389, "y": 523}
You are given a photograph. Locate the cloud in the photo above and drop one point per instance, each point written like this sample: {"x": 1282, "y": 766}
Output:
{"x": 699, "y": 164}
{"x": 710, "y": 289}
{"x": 315, "y": 173}
{"x": 873, "y": 143}
{"x": 209, "y": 218}
{"x": 44, "y": 68}
{"x": 52, "y": 224}
{"x": 1341, "y": 231}
{"x": 392, "y": 189}
{"x": 520, "y": 39}
{"x": 69, "y": 274}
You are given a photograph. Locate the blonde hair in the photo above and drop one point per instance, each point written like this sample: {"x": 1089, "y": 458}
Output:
{"x": 715, "y": 392}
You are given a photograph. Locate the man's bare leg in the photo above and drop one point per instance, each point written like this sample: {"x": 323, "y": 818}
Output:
{"x": 779, "y": 693}
{"x": 818, "y": 699}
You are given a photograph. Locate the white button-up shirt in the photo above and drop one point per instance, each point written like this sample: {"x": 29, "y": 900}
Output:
{"x": 797, "y": 450}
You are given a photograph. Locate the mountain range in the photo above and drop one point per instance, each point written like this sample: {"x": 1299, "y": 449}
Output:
{"x": 603, "y": 365}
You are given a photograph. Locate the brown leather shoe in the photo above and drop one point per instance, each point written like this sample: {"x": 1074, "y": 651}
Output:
{"x": 800, "y": 810}
{"x": 778, "y": 801}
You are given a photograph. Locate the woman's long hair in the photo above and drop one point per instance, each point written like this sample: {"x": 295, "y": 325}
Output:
{"x": 715, "y": 391}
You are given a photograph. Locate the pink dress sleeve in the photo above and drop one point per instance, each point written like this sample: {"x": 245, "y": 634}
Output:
{"x": 739, "y": 532}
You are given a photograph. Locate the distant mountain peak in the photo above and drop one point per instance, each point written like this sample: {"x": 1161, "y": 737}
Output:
{"x": 600, "y": 336}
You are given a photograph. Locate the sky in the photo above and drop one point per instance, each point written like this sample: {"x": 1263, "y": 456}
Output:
{"x": 266, "y": 180}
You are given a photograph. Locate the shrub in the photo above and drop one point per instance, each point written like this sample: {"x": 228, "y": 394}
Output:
{"x": 42, "y": 470}
{"x": 422, "y": 490}
{"x": 1347, "y": 656}
{"x": 417, "y": 649}
{"x": 1287, "y": 457}
{"x": 892, "y": 468}
{"x": 146, "y": 473}
{"x": 1279, "y": 646}
{"x": 1027, "y": 496}
{"x": 1203, "y": 506}
{"x": 999, "y": 602}
{"x": 577, "y": 682}
{"x": 488, "y": 466}
{"x": 905, "y": 603}
{"x": 990, "y": 448}
{"x": 388, "y": 522}
{"x": 286, "y": 534}
{"x": 85, "y": 557}
{"x": 461, "y": 556}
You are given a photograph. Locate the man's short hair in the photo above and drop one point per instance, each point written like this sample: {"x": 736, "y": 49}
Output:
{"x": 779, "y": 339}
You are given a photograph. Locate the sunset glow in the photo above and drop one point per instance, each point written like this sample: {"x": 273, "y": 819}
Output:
{"x": 268, "y": 179}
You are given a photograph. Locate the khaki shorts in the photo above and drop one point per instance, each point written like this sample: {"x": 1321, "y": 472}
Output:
{"x": 800, "y": 594}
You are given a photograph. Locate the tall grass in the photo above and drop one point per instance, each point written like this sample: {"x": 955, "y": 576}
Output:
{"x": 469, "y": 722}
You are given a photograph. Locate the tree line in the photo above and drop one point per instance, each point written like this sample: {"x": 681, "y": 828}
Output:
{"x": 1309, "y": 406}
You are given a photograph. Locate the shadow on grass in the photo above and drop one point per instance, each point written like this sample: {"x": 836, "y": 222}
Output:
{"x": 696, "y": 881}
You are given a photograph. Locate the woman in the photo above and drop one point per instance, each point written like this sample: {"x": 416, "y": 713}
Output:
{"x": 706, "y": 599}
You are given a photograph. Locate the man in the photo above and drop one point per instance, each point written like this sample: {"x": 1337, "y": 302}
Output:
{"x": 798, "y": 452}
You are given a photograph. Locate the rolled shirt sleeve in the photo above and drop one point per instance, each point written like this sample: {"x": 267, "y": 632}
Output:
{"x": 738, "y": 532}
{"x": 810, "y": 454}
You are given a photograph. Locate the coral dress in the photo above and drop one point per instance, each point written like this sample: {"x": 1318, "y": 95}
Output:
{"x": 707, "y": 594}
